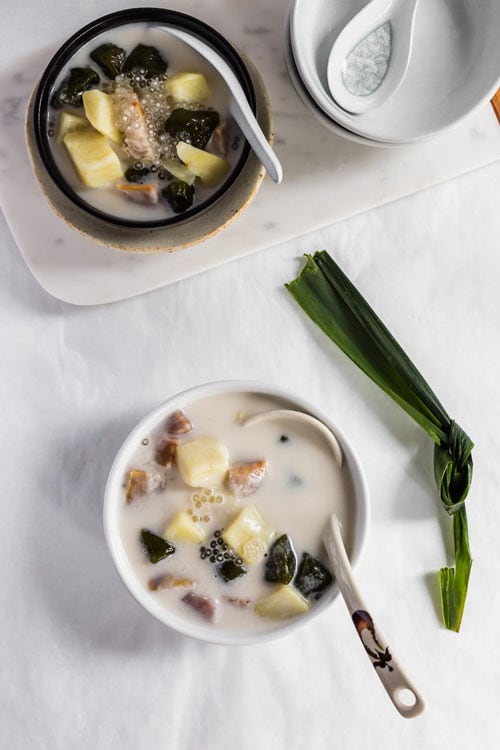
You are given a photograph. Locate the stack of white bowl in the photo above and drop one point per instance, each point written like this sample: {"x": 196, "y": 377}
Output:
{"x": 454, "y": 68}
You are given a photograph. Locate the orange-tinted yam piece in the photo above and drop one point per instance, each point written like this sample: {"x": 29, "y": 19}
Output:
{"x": 496, "y": 104}
{"x": 137, "y": 485}
{"x": 221, "y": 137}
{"x": 168, "y": 581}
{"x": 244, "y": 479}
{"x": 165, "y": 452}
{"x": 203, "y": 605}
{"x": 147, "y": 193}
{"x": 236, "y": 601}
{"x": 178, "y": 424}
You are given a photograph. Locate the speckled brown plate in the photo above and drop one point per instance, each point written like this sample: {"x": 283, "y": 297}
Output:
{"x": 163, "y": 239}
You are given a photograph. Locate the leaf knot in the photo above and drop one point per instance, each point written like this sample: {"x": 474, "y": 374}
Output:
{"x": 453, "y": 467}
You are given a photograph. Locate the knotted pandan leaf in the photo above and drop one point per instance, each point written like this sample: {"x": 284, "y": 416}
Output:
{"x": 328, "y": 297}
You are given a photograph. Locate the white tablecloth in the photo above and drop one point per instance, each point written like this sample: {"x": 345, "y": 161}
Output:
{"x": 83, "y": 666}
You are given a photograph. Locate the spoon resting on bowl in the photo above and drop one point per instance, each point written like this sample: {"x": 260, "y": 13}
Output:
{"x": 239, "y": 106}
{"x": 400, "y": 690}
{"x": 370, "y": 57}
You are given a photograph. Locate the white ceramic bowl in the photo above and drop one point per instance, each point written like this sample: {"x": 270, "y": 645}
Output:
{"x": 135, "y": 21}
{"x": 114, "y": 496}
{"x": 318, "y": 113}
{"x": 454, "y": 68}
{"x": 172, "y": 238}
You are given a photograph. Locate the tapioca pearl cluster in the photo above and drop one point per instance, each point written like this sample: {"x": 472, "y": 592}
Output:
{"x": 254, "y": 550}
{"x": 201, "y": 499}
{"x": 156, "y": 108}
{"x": 126, "y": 116}
{"x": 218, "y": 551}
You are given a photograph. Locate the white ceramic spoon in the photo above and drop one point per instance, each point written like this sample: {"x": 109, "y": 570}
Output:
{"x": 400, "y": 690}
{"x": 239, "y": 107}
{"x": 299, "y": 416}
{"x": 370, "y": 57}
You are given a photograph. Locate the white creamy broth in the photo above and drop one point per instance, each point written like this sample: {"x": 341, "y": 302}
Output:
{"x": 301, "y": 488}
{"x": 180, "y": 58}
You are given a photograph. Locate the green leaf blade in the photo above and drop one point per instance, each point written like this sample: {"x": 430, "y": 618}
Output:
{"x": 454, "y": 582}
{"x": 329, "y": 298}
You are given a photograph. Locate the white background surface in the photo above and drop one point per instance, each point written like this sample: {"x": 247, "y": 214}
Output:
{"x": 82, "y": 665}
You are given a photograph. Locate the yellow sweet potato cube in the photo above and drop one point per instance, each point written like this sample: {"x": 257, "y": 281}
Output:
{"x": 68, "y": 123}
{"x": 188, "y": 87}
{"x": 179, "y": 170}
{"x": 202, "y": 462}
{"x": 93, "y": 158}
{"x": 283, "y": 603}
{"x": 249, "y": 535}
{"x": 211, "y": 169}
{"x": 100, "y": 112}
{"x": 183, "y": 527}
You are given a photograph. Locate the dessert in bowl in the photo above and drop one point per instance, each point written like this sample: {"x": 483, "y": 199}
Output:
{"x": 133, "y": 125}
{"x": 214, "y": 520}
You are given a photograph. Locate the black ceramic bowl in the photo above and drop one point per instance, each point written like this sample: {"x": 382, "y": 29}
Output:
{"x": 156, "y": 16}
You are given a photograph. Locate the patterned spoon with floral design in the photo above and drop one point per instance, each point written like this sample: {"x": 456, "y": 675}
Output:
{"x": 369, "y": 58}
{"x": 404, "y": 696}
{"x": 400, "y": 690}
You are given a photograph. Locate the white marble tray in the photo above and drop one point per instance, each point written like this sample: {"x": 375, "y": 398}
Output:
{"x": 326, "y": 177}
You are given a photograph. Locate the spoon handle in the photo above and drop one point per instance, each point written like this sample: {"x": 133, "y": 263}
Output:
{"x": 400, "y": 689}
{"x": 239, "y": 106}
{"x": 240, "y": 110}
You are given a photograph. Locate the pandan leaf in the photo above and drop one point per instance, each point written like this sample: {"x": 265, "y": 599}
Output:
{"x": 328, "y": 297}
{"x": 281, "y": 563}
{"x": 180, "y": 195}
{"x": 109, "y": 58}
{"x": 147, "y": 59}
{"x": 155, "y": 547}
{"x": 312, "y": 577}
{"x": 192, "y": 126}
{"x": 72, "y": 87}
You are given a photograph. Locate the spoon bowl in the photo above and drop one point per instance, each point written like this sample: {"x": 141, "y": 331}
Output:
{"x": 300, "y": 416}
{"x": 369, "y": 59}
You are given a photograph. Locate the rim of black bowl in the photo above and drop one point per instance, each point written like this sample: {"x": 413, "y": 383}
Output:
{"x": 72, "y": 45}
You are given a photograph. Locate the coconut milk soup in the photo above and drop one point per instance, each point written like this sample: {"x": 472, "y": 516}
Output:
{"x": 221, "y": 521}
{"x": 139, "y": 125}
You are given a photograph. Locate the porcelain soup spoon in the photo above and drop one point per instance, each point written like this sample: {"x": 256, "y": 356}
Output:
{"x": 369, "y": 59}
{"x": 399, "y": 688}
{"x": 239, "y": 107}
